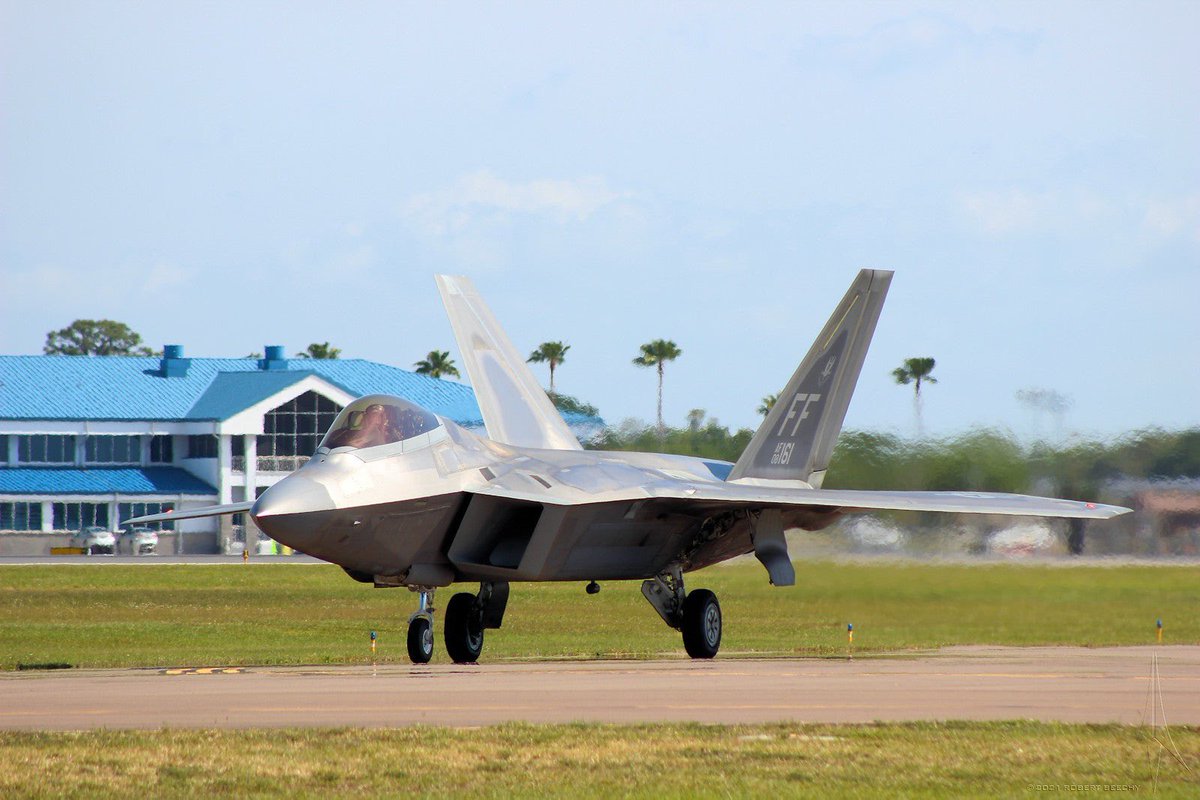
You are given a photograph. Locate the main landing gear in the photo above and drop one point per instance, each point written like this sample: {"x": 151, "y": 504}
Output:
{"x": 696, "y": 614}
{"x": 467, "y": 616}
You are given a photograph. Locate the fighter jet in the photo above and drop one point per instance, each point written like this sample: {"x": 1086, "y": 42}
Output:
{"x": 398, "y": 496}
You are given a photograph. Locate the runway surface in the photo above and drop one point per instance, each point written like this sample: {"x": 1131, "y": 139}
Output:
{"x": 976, "y": 683}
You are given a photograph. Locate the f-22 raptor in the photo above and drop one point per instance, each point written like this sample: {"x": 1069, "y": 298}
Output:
{"x": 398, "y": 496}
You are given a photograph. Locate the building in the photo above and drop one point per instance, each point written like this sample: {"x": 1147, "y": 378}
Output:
{"x": 95, "y": 440}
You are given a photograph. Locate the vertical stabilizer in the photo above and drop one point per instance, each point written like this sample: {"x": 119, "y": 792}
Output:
{"x": 515, "y": 408}
{"x": 797, "y": 437}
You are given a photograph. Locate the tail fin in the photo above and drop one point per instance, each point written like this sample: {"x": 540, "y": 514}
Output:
{"x": 515, "y": 408}
{"x": 797, "y": 437}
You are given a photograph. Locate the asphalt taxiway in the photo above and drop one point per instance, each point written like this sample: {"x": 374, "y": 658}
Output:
{"x": 971, "y": 683}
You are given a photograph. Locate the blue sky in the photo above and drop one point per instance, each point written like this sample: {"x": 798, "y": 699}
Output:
{"x": 226, "y": 176}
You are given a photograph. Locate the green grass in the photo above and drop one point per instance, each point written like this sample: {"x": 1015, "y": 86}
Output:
{"x": 999, "y": 759}
{"x": 162, "y": 615}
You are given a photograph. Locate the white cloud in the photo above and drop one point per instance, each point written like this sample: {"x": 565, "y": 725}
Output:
{"x": 98, "y": 285}
{"x": 1004, "y": 212}
{"x": 483, "y": 195}
{"x": 1171, "y": 217}
{"x": 1017, "y": 212}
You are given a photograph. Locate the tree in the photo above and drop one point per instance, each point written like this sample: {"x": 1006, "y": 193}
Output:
{"x": 95, "y": 337}
{"x": 565, "y": 402}
{"x": 1054, "y": 403}
{"x": 767, "y": 404}
{"x": 656, "y": 354}
{"x": 915, "y": 370}
{"x": 321, "y": 350}
{"x": 553, "y": 353}
{"x": 437, "y": 364}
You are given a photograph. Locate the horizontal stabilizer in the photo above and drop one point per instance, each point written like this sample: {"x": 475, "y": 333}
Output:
{"x": 191, "y": 513}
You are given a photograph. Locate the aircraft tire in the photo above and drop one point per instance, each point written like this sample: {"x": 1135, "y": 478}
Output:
{"x": 463, "y": 631}
{"x": 701, "y": 624}
{"x": 420, "y": 640}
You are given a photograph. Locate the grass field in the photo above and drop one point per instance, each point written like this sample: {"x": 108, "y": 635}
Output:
{"x": 162, "y": 615}
{"x": 935, "y": 760}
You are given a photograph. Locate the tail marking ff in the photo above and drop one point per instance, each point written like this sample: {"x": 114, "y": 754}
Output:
{"x": 796, "y": 439}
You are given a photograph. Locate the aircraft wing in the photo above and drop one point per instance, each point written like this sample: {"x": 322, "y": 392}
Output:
{"x": 721, "y": 495}
{"x": 515, "y": 408}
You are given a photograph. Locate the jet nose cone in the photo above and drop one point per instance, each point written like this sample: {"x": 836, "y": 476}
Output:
{"x": 293, "y": 512}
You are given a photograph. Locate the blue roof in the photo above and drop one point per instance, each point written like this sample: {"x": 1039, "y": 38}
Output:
{"x": 104, "y": 480}
{"x": 134, "y": 388}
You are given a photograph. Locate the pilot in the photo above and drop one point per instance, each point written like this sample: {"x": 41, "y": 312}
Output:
{"x": 372, "y": 428}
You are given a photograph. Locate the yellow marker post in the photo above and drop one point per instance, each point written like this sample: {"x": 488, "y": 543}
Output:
{"x": 245, "y": 556}
{"x": 372, "y": 642}
{"x": 1160, "y": 631}
{"x": 850, "y": 638}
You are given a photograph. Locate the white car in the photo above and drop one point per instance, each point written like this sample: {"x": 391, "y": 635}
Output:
{"x": 95, "y": 540}
{"x": 138, "y": 541}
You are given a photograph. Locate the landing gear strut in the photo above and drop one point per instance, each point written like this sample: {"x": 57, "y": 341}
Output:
{"x": 420, "y": 628}
{"x": 697, "y": 615}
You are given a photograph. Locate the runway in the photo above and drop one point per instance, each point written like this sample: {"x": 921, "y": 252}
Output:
{"x": 970, "y": 683}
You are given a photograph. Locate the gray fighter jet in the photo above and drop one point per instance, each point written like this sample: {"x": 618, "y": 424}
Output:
{"x": 398, "y": 496}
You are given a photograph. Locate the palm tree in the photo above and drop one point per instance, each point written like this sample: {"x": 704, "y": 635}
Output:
{"x": 768, "y": 403}
{"x": 915, "y": 370}
{"x": 656, "y": 354}
{"x": 320, "y": 350}
{"x": 554, "y": 353}
{"x": 437, "y": 364}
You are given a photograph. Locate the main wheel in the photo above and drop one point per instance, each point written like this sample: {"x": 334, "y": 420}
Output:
{"x": 464, "y": 628}
{"x": 420, "y": 640}
{"x": 701, "y": 624}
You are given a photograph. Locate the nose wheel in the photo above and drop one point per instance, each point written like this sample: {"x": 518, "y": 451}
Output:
{"x": 420, "y": 630}
{"x": 420, "y": 640}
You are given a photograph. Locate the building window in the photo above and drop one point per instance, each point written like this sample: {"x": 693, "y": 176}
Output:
{"x": 77, "y": 516}
{"x": 3, "y": 448}
{"x": 162, "y": 449}
{"x": 292, "y": 432}
{"x": 203, "y": 445}
{"x": 113, "y": 450}
{"x": 42, "y": 448}
{"x": 20, "y": 516}
{"x": 130, "y": 510}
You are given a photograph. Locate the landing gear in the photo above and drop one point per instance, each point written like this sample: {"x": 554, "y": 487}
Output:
{"x": 467, "y": 616}
{"x": 464, "y": 628}
{"x": 420, "y": 628}
{"x": 701, "y": 624}
{"x": 420, "y": 640}
{"x": 697, "y": 615}
{"x": 592, "y": 588}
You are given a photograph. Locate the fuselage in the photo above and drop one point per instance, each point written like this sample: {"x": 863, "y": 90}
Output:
{"x": 444, "y": 505}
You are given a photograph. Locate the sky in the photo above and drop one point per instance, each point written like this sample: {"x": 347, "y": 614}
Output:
{"x": 230, "y": 175}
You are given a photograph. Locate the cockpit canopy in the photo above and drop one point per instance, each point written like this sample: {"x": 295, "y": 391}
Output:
{"x": 378, "y": 419}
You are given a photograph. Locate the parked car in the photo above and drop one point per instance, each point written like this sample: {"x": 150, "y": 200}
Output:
{"x": 95, "y": 540}
{"x": 138, "y": 541}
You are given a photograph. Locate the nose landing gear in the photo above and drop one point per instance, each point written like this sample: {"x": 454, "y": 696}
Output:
{"x": 467, "y": 616}
{"x": 420, "y": 627}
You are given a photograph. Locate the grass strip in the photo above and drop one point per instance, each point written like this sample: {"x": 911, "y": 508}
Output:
{"x": 268, "y": 614}
{"x": 673, "y": 760}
